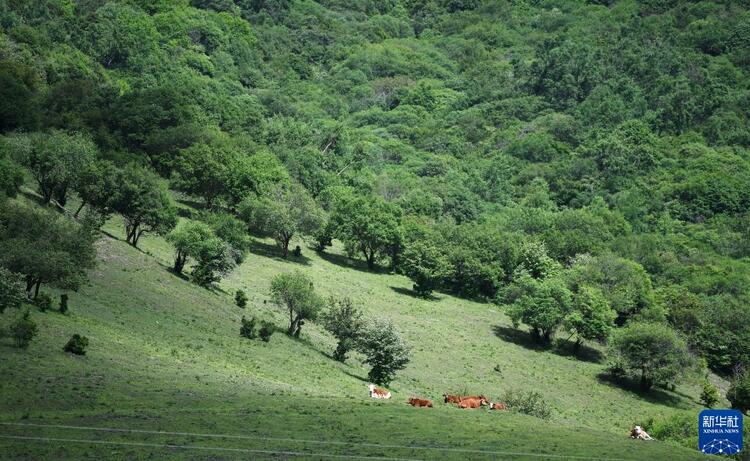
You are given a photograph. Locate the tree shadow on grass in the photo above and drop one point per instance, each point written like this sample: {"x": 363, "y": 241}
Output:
{"x": 414, "y": 294}
{"x": 654, "y": 395}
{"x": 272, "y": 251}
{"x": 364, "y": 379}
{"x": 344, "y": 261}
{"x": 561, "y": 347}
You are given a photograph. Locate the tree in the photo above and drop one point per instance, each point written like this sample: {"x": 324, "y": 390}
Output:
{"x": 11, "y": 177}
{"x": 344, "y": 321}
{"x": 23, "y": 330}
{"x": 11, "y": 290}
{"x": 739, "y": 392}
{"x": 95, "y": 184}
{"x": 294, "y": 291}
{"x": 590, "y": 317}
{"x": 709, "y": 394}
{"x": 625, "y": 284}
{"x": 144, "y": 202}
{"x": 188, "y": 240}
{"x": 203, "y": 170}
{"x": 213, "y": 261}
{"x": 540, "y": 304}
{"x": 423, "y": 262}
{"x": 44, "y": 247}
{"x": 652, "y": 352}
{"x": 55, "y": 159}
{"x": 232, "y": 231}
{"x": 385, "y": 351}
{"x": 366, "y": 225}
{"x": 284, "y": 213}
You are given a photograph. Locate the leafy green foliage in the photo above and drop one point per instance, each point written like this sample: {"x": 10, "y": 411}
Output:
{"x": 294, "y": 292}
{"x": 344, "y": 321}
{"x": 44, "y": 247}
{"x": 248, "y": 328}
{"x": 240, "y": 299}
{"x": 144, "y": 202}
{"x": 77, "y": 345}
{"x": 425, "y": 264}
{"x": 23, "y": 330}
{"x": 590, "y": 317}
{"x": 652, "y": 352}
{"x": 384, "y": 349}
{"x": 283, "y": 213}
{"x": 709, "y": 395}
{"x": 366, "y": 226}
{"x": 541, "y": 304}
{"x": 11, "y": 290}
{"x": 531, "y": 403}
{"x": 739, "y": 392}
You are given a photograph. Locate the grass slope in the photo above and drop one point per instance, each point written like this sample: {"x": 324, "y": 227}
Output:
{"x": 166, "y": 355}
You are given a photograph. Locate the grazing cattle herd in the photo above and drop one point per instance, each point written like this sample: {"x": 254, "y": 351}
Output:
{"x": 461, "y": 401}
{"x": 473, "y": 401}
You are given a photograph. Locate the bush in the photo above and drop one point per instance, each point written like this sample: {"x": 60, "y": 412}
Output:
{"x": 247, "y": 330}
{"x": 266, "y": 331}
{"x": 529, "y": 403}
{"x": 63, "y": 303}
{"x": 43, "y": 301}
{"x": 344, "y": 321}
{"x": 739, "y": 392}
{"x": 77, "y": 345}
{"x": 297, "y": 252}
{"x": 23, "y": 330}
{"x": 709, "y": 395}
{"x": 650, "y": 352}
{"x": 240, "y": 298}
{"x": 12, "y": 293}
{"x": 385, "y": 350}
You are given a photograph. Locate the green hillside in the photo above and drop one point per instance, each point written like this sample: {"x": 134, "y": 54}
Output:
{"x": 221, "y": 219}
{"x": 167, "y": 356}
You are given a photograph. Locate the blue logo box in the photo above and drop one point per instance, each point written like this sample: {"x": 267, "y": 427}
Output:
{"x": 720, "y": 432}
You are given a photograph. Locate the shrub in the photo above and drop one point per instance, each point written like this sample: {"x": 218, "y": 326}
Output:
{"x": 739, "y": 392}
{"x": 709, "y": 395}
{"x": 344, "y": 321}
{"x": 63, "y": 303}
{"x": 77, "y": 345}
{"x": 11, "y": 290}
{"x": 43, "y": 301}
{"x": 240, "y": 298}
{"x": 385, "y": 350}
{"x": 297, "y": 252}
{"x": 650, "y": 352}
{"x": 266, "y": 331}
{"x": 247, "y": 329}
{"x": 23, "y": 330}
{"x": 529, "y": 403}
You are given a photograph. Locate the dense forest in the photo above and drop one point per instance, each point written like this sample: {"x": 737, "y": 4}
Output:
{"x": 584, "y": 165}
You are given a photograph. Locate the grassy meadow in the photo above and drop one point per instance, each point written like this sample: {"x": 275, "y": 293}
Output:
{"x": 165, "y": 355}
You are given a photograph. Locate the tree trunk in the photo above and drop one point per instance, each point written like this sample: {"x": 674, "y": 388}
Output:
{"x": 136, "y": 236}
{"x": 285, "y": 246}
{"x": 179, "y": 262}
{"x": 645, "y": 381}
{"x": 78, "y": 211}
{"x": 36, "y": 290}
{"x": 370, "y": 258}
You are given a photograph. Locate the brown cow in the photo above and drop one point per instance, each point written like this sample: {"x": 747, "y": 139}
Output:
{"x": 498, "y": 406}
{"x": 472, "y": 402}
{"x": 415, "y": 402}
{"x": 451, "y": 398}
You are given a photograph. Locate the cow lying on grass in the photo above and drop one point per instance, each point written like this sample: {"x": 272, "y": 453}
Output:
{"x": 415, "y": 402}
{"x": 378, "y": 392}
{"x": 639, "y": 434}
{"x": 472, "y": 402}
{"x": 498, "y": 406}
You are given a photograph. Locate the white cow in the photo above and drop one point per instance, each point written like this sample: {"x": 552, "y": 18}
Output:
{"x": 379, "y": 392}
{"x": 639, "y": 433}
